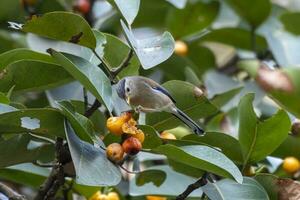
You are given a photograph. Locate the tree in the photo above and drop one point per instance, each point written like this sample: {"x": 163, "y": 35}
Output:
{"x": 230, "y": 65}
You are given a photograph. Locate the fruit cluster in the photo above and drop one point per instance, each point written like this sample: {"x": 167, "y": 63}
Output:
{"x": 133, "y": 137}
{"x": 110, "y": 196}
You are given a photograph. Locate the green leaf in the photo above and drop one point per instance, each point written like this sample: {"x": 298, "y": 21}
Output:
{"x": 269, "y": 182}
{"x": 25, "y": 174}
{"x": 201, "y": 157}
{"x": 180, "y": 4}
{"x": 15, "y": 55}
{"x": 89, "y": 75}
{"x": 115, "y": 52}
{"x": 236, "y": 37}
{"x": 220, "y": 100}
{"x": 185, "y": 169}
{"x": 128, "y": 9}
{"x": 73, "y": 27}
{"x": 44, "y": 122}
{"x": 20, "y": 74}
{"x": 193, "y": 105}
{"x": 230, "y": 190}
{"x": 193, "y": 18}
{"x": 152, "y": 138}
{"x": 4, "y": 99}
{"x": 289, "y": 100}
{"x": 290, "y": 21}
{"x": 20, "y": 149}
{"x": 255, "y": 12}
{"x": 11, "y": 10}
{"x": 289, "y": 147}
{"x": 253, "y": 134}
{"x": 150, "y": 51}
{"x": 170, "y": 187}
{"x": 81, "y": 125}
{"x": 157, "y": 177}
{"x": 91, "y": 165}
{"x": 228, "y": 144}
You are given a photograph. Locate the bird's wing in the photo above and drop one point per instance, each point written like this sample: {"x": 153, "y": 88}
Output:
{"x": 159, "y": 88}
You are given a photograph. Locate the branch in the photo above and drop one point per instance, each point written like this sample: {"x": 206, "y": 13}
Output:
{"x": 123, "y": 65}
{"x": 89, "y": 112}
{"x": 10, "y": 193}
{"x": 56, "y": 178}
{"x": 105, "y": 65}
{"x": 199, "y": 183}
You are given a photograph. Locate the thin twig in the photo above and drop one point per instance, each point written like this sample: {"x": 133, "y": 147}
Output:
{"x": 128, "y": 171}
{"x": 199, "y": 183}
{"x": 89, "y": 112}
{"x": 37, "y": 163}
{"x": 123, "y": 65}
{"x": 10, "y": 193}
{"x": 85, "y": 98}
{"x": 105, "y": 65}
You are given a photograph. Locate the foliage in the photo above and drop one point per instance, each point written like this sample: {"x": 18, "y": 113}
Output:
{"x": 237, "y": 77}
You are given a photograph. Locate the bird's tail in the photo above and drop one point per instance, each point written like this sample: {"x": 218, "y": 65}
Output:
{"x": 188, "y": 121}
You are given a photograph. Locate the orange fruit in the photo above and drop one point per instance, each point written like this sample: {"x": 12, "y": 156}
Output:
{"x": 114, "y": 125}
{"x": 95, "y": 196}
{"x": 139, "y": 134}
{"x": 291, "y": 164}
{"x": 82, "y": 6}
{"x": 132, "y": 146}
{"x": 167, "y": 135}
{"x": 115, "y": 152}
{"x": 181, "y": 48}
{"x": 129, "y": 127}
{"x": 155, "y": 198}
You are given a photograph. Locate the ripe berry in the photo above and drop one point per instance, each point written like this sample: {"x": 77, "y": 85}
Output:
{"x": 115, "y": 152}
{"x": 139, "y": 134}
{"x": 155, "y": 198}
{"x": 113, "y": 196}
{"x": 167, "y": 135}
{"x": 291, "y": 164}
{"x": 82, "y": 6}
{"x": 132, "y": 146}
{"x": 114, "y": 125}
{"x": 181, "y": 48}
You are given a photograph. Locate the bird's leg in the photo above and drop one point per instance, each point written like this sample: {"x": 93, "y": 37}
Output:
{"x": 143, "y": 109}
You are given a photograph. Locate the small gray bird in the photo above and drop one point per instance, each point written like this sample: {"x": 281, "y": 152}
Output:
{"x": 145, "y": 95}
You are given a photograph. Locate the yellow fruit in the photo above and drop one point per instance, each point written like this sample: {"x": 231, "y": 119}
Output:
{"x": 103, "y": 197}
{"x": 95, "y": 196}
{"x": 181, "y": 48}
{"x": 129, "y": 127}
{"x": 115, "y": 152}
{"x": 291, "y": 164}
{"x": 113, "y": 196}
{"x": 114, "y": 125}
{"x": 155, "y": 198}
{"x": 167, "y": 135}
{"x": 139, "y": 134}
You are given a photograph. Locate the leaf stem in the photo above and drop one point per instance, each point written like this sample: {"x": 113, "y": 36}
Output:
{"x": 123, "y": 65}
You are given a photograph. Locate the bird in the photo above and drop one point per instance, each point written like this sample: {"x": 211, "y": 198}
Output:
{"x": 147, "y": 96}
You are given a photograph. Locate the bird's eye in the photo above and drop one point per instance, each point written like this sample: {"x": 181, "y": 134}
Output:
{"x": 127, "y": 90}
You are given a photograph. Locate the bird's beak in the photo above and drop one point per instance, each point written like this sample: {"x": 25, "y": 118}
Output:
{"x": 128, "y": 100}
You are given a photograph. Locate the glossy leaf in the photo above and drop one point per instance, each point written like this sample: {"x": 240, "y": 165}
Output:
{"x": 20, "y": 149}
{"x": 150, "y": 51}
{"x": 202, "y": 157}
{"x": 167, "y": 187}
{"x": 193, "y": 18}
{"x": 128, "y": 9}
{"x": 287, "y": 99}
{"x": 46, "y": 75}
{"x": 80, "y": 124}
{"x": 228, "y": 144}
{"x": 89, "y": 75}
{"x": 220, "y": 100}
{"x": 91, "y": 165}
{"x": 44, "y": 122}
{"x": 289, "y": 147}
{"x": 237, "y": 37}
{"x": 230, "y": 190}
{"x": 152, "y": 138}
{"x": 253, "y": 134}
{"x": 187, "y": 100}
{"x": 254, "y": 12}
{"x": 157, "y": 177}
{"x": 73, "y": 28}
{"x": 290, "y": 21}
